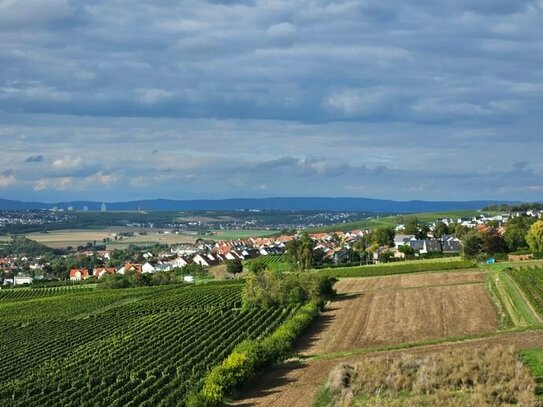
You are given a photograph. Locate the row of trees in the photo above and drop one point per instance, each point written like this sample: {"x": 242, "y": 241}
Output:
{"x": 522, "y": 234}
{"x": 270, "y": 288}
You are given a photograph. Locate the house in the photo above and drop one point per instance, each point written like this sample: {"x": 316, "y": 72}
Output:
{"x": 234, "y": 255}
{"x": 450, "y": 244}
{"x": 130, "y": 267}
{"x": 431, "y": 246}
{"x": 208, "y": 260}
{"x": 179, "y": 262}
{"x": 79, "y": 274}
{"x": 99, "y": 272}
{"x": 401, "y": 240}
{"x": 22, "y": 280}
{"x": 148, "y": 268}
{"x": 250, "y": 253}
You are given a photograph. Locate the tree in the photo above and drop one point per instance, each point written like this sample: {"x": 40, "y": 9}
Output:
{"x": 407, "y": 250}
{"x": 194, "y": 269}
{"x": 472, "y": 243}
{"x": 414, "y": 227}
{"x": 493, "y": 242}
{"x": 234, "y": 266}
{"x": 515, "y": 233}
{"x": 383, "y": 236}
{"x": 458, "y": 230}
{"x": 535, "y": 237}
{"x": 441, "y": 229}
{"x": 257, "y": 266}
{"x": 411, "y": 226}
{"x": 300, "y": 252}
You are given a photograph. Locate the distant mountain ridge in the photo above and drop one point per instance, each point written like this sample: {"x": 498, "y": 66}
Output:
{"x": 285, "y": 204}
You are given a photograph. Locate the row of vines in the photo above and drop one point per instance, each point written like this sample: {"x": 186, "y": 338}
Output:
{"x": 146, "y": 347}
{"x": 530, "y": 281}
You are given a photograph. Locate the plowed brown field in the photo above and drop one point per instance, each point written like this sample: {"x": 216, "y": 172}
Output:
{"x": 357, "y": 285}
{"x": 373, "y": 312}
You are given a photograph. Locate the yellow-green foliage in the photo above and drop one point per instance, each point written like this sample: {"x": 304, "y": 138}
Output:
{"x": 535, "y": 237}
{"x": 252, "y": 355}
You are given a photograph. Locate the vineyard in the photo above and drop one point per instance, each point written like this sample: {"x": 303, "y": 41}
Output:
{"x": 272, "y": 262}
{"x": 530, "y": 281}
{"x": 397, "y": 268}
{"x": 146, "y": 346}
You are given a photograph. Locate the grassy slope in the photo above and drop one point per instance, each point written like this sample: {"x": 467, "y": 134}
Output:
{"x": 519, "y": 312}
{"x": 392, "y": 220}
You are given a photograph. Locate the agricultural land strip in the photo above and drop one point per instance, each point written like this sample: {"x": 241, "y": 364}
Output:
{"x": 362, "y": 321}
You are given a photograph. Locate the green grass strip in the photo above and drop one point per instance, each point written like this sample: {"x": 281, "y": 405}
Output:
{"x": 533, "y": 358}
{"x": 519, "y": 311}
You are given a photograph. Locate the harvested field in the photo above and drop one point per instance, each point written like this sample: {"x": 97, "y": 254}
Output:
{"x": 382, "y": 311}
{"x": 396, "y": 316}
{"x": 357, "y": 285}
{"x": 296, "y": 383}
{"x": 76, "y": 237}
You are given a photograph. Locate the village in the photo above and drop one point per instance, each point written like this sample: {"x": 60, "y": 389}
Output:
{"x": 335, "y": 248}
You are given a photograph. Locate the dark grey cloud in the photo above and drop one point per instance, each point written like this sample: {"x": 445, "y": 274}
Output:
{"x": 34, "y": 159}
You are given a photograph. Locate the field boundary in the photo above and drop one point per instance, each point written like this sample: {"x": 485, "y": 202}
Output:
{"x": 419, "y": 344}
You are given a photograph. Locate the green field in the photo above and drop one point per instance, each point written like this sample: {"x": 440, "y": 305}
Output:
{"x": 394, "y": 220}
{"x": 403, "y": 267}
{"x": 273, "y": 262}
{"x": 232, "y": 234}
{"x": 145, "y": 346}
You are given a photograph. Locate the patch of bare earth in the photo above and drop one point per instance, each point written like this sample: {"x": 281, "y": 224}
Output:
{"x": 357, "y": 285}
{"x": 399, "y": 316}
{"x": 373, "y": 312}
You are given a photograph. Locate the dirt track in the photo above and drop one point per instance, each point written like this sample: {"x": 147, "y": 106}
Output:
{"x": 381, "y": 311}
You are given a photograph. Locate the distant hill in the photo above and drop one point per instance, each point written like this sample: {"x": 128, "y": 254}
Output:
{"x": 284, "y": 204}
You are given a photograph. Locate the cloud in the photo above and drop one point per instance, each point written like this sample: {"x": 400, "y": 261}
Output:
{"x": 76, "y": 184}
{"x": 152, "y": 96}
{"x": 7, "y": 178}
{"x": 281, "y": 31}
{"x": 34, "y": 159}
{"x": 17, "y": 13}
{"x": 307, "y": 98}
{"x": 68, "y": 163}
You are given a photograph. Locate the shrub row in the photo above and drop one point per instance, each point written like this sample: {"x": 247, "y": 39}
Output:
{"x": 404, "y": 267}
{"x": 249, "y": 356}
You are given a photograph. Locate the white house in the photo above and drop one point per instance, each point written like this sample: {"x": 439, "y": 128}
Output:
{"x": 22, "y": 280}
{"x": 148, "y": 268}
{"x": 179, "y": 262}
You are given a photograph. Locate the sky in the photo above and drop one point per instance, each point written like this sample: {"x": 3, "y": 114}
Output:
{"x": 115, "y": 100}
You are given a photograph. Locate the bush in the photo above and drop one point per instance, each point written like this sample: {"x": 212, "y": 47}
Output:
{"x": 249, "y": 356}
{"x": 269, "y": 288}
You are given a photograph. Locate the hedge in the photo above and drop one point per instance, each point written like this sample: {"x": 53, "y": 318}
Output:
{"x": 249, "y": 356}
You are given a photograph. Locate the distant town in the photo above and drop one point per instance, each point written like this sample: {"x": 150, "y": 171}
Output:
{"x": 24, "y": 261}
